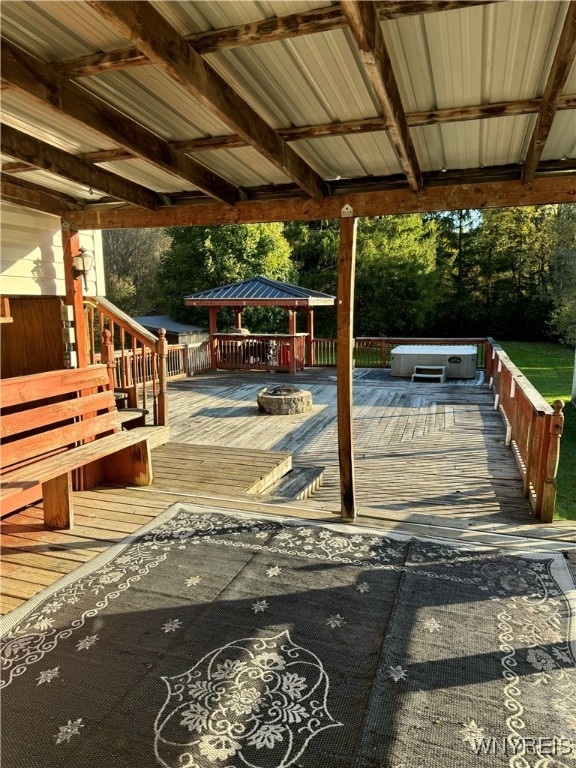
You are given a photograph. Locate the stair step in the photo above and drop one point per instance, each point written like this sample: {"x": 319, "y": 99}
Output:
{"x": 299, "y": 484}
{"x": 436, "y": 377}
{"x": 436, "y": 370}
{"x": 436, "y": 373}
{"x": 135, "y": 417}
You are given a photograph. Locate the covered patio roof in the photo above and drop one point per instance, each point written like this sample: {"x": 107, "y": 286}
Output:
{"x": 259, "y": 291}
{"x": 143, "y": 114}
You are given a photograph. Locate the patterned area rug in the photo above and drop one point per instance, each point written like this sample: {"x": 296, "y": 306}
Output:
{"x": 217, "y": 640}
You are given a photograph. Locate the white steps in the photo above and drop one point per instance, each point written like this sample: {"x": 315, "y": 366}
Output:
{"x": 435, "y": 373}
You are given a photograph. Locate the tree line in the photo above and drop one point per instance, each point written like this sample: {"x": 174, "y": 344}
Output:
{"x": 509, "y": 273}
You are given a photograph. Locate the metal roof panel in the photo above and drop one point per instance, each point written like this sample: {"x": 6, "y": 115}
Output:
{"x": 244, "y": 166}
{"x": 260, "y": 287}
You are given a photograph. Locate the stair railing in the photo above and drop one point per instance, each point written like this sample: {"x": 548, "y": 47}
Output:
{"x": 136, "y": 358}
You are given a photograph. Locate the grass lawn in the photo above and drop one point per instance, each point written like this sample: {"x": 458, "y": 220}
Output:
{"x": 550, "y": 368}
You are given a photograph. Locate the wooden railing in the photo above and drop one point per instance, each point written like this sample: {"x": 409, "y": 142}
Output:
{"x": 533, "y": 429}
{"x": 136, "y": 359}
{"x": 260, "y": 352}
{"x": 323, "y": 352}
{"x": 376, "y": 351}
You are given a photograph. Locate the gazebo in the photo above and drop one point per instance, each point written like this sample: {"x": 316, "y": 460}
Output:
{"x": 272, "y": 351}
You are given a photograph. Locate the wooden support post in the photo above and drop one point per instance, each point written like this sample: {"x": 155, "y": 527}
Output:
{"x": 213, "y": 329}
{"x": 162, "y": 352}
{"x": 310, "y": 339}
{"x": 238, "y": 319}
{"x": 345, "y": 341}
{"x": 74, "y": 295}
{"x": 549, "y": 489}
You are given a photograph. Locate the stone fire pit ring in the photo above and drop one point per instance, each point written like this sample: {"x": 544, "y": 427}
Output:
{"x": 284, "y": 400}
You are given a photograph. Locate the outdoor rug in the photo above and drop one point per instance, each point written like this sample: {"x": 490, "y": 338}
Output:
{"x": 213, "y": 639}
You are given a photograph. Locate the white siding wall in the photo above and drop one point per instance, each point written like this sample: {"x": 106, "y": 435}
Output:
{"x": 32, "y": 261}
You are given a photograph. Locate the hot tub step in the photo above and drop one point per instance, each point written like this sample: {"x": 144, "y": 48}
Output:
{"x": 436, "y": 373}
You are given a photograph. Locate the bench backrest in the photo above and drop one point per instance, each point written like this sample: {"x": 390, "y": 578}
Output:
{"x": 47, "y": 413}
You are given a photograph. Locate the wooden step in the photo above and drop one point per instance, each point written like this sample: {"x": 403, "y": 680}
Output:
{"x": 300, "y": 483}
{"x": 436, "y": 373}
{"x": 430, "y": 369}
{"x": 133, "y": 417}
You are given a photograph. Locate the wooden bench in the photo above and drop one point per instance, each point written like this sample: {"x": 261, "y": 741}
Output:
{"x": 55, "y": 423}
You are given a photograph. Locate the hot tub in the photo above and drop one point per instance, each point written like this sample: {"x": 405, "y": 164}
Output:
{"x": 459, "y": 360}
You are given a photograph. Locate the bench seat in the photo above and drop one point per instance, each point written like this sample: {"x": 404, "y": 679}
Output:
{"x": 62, "y": 421}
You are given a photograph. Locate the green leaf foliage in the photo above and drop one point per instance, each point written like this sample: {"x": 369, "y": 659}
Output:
{"x": 206, "y": 257}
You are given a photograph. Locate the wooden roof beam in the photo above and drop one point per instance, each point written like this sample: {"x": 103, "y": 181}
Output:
{"x": 36, "y": 197}
{"x": 143, "y": 24}
{"x": 30, "y": 150}
{"x": 559, "y": 72}
{"x": 365, "y": 28}
{"x": 348, "y": 128}
{"x": 449, "y": 197}
{"x": 313, "y": 22}
{"x": 52, "y": 90}
{"x": 257, "y": 32}
{"x": 375, "y": 124}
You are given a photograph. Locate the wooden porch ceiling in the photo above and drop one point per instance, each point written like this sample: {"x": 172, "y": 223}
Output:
{"x": 211, "y": 195}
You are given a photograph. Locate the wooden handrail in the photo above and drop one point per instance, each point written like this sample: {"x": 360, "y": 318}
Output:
{"x": 533, "y": 429}
{"x": 142, "y": 362}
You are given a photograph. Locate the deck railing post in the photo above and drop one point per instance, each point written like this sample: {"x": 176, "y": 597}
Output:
{"x": 553, "y": 454}
{"x": 187, "y": 359}
{"x": 162, "y": 352}
{"x": 107, "y": 357}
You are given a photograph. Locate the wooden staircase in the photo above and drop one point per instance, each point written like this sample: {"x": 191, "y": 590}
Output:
{"x": 300, "y": 483}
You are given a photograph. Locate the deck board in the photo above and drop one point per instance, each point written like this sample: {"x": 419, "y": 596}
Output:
{"x": 430, "y": 460}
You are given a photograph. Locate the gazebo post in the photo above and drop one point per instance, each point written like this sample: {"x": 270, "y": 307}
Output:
{"x": 310, "y": 331}
{"x": 237, "y": 318}
{"x": 212, "y": 330}
{"x": 292, "y": 332}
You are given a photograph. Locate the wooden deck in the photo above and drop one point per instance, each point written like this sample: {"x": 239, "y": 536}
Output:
{"x": 430, "y": 460}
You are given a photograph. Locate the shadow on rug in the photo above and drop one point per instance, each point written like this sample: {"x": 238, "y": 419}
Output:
{"x": 217, "y": 640}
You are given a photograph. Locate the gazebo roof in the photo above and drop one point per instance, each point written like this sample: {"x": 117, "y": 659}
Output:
{"x": 259, "y": 291}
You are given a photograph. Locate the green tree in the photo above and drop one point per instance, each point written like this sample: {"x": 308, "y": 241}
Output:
{"x": 395, "y": 280}
{"x": 513, "y": 271}
{"x": 395, "y": 275}
{"x": 563, "y": 274}
{"x": 315, "y": 247}
{"x": 200, "y": 258}
{"x": 131, "y": 259}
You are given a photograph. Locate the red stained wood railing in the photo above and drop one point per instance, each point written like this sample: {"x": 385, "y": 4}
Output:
{"x": 261, "y": 352}
{"x": 136, "y": 359}
{"x": 533, "y": 429}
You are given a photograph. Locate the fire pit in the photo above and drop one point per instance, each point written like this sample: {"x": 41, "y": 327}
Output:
{"x": 284, "y": 400}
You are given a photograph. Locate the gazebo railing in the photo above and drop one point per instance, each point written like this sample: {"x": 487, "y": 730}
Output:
{"x": 260, "y": 352}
